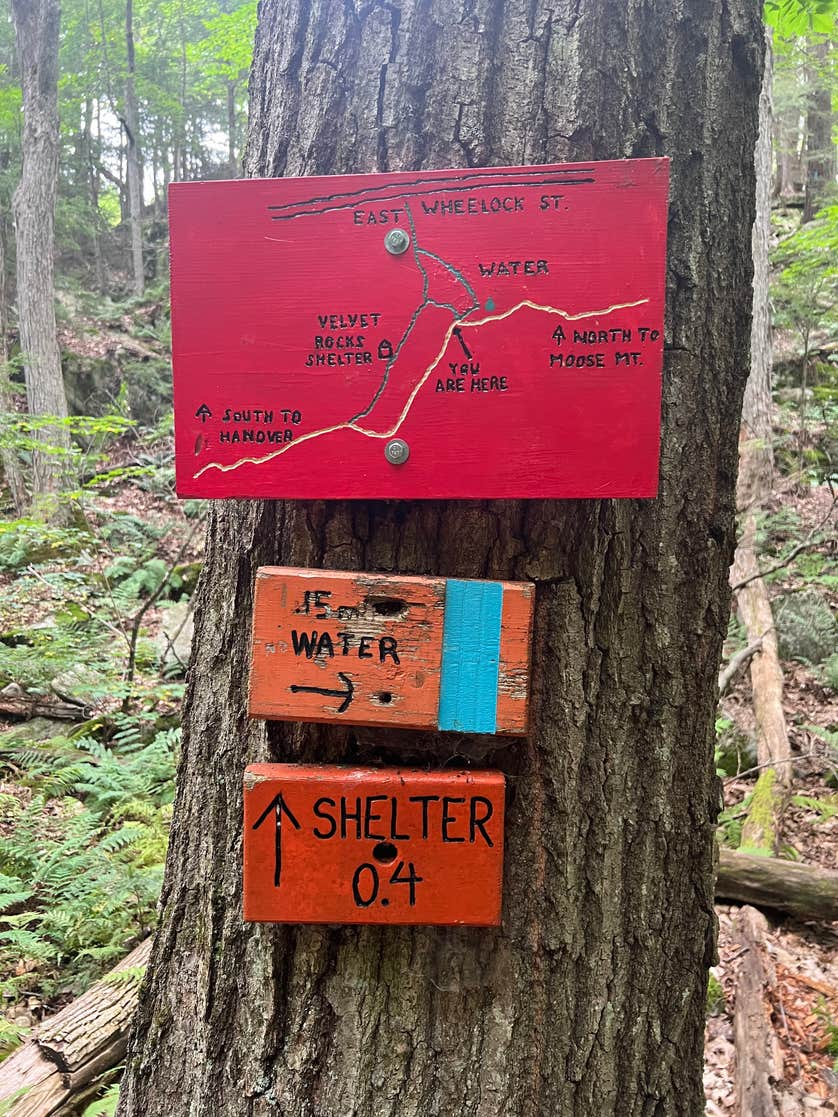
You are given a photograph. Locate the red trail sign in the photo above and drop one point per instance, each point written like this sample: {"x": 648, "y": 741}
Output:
{"x": 491, "y": 332}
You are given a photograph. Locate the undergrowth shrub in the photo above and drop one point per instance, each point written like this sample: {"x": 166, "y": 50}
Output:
{"x": 81, "y": 861}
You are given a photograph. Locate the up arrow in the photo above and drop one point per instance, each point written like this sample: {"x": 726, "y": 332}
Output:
{"x": 277, "y": 806}
{"x": 203, "y": 413}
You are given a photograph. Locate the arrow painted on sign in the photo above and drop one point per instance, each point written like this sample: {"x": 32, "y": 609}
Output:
{"x": 203, "y": 413}
{"x": 458, "y": 334}
{"x": 278, "y": 806}
{"x": 346, "y": 695}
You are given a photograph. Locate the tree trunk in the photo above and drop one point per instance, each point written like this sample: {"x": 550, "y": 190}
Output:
{"x": 131, "y": 124}
{"x": 36, "y": 29}
{"x": 231, "y": 128}
{"x": 756, "y": 466}
{"x": 789, "y": 177}
{"x": 820, "y": 147}
{"x": 92, "y": 162}
{"x": 11, "y": 462}
{"x": 590, "y": 998}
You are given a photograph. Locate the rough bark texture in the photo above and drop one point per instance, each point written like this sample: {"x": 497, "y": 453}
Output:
{"x": 590, "y": 999}
{"x": 9, "y": 458}
{"x": 36, "y": 29}
{"x": 756, "y": 465}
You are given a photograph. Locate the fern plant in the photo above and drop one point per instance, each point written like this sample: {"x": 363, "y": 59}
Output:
{"x": 81, "y": 863}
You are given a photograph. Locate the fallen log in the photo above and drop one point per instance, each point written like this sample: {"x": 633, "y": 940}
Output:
{"x": 759, "y": 1062}
{"x": 806, "y": 891}
{"x": 16, "y": 703}
{"x": 74, "y": 1047}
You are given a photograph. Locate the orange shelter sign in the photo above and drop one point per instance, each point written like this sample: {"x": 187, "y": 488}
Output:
{"x": 326, "y": 844}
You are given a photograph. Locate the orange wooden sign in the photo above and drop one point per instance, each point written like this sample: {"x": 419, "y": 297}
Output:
{"x": 372, "y": 845}
{"x": 380, "y": 649}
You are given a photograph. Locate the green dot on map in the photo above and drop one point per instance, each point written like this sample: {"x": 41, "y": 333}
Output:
{"x": 490, "y": 304}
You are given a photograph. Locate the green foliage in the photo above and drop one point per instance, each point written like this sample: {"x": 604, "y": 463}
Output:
{"x": 824, "y": 808}
{"x": 11, "y": 1036}
{"x": 226, "y": 50}
{"x": 715, "y": 996}
{"x": 805, "y": 289}
{"x": 791, "y": 18}
{"x": 806, "y": 627}
{"x": 81, "y": 866}
{"x": 830, "y": 1027}
{"x": 32, "y": 541}
{"x": 730, "y": 822}
{"x": 105, "y": 1106}
{"x": 828, "y": 673}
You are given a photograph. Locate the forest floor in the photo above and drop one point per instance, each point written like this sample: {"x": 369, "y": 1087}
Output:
{"x": 803, "y": 1004}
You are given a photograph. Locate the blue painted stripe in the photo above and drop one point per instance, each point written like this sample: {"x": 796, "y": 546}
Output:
{"x": 468, "y": 693}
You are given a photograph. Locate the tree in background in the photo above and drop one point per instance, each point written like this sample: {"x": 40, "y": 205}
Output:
{"x": 130, "y": 121}
{"x": 36, "y": 28}
{"x": 590, "y": 999}
{"x": 804, "y": 88}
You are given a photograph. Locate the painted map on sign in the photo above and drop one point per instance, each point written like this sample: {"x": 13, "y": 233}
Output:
{"x": 492, "y": 332}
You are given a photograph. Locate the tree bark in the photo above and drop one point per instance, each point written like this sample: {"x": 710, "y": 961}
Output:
{"x": 11, "y": 462}
{"x": 131, "y": 125}
{"x": 36, "y": 29}
{"x": 91, "y": 161}
{"x": 590, "y": 998}
{"x": 231, "y": 128}
{"x": 756, "y": 466}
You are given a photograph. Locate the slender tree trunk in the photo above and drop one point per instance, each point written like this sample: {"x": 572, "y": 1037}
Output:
{"x": 231, "y": 128}
{"x": 590, "y": 999}
{"x": 36, "y": 28}
{"x": 131, "y": 125}
{"x": 91, "y": 160}
{"x": 789, "y": 177}
{"x": 11, "y": 463}
{"x": 820, "y": 147}
{"x": 756, "y": 467}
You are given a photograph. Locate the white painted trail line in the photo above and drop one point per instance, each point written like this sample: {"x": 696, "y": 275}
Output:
{"x": 461, "y": 323}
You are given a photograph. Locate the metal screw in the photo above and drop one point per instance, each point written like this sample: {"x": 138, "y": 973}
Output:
{"x": 396, "y": 242}
{"x": 397, "y": 451}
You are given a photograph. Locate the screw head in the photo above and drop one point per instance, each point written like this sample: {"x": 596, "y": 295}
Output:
{"x": 397, "y": 451}
{"x": 396, "y": 242}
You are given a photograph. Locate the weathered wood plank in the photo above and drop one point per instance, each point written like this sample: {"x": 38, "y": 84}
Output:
{"x": 379, "y": 649}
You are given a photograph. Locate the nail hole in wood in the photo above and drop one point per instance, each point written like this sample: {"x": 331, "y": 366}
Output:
{"x": 385, "y": 852}
{"x": 388, "y": 606}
